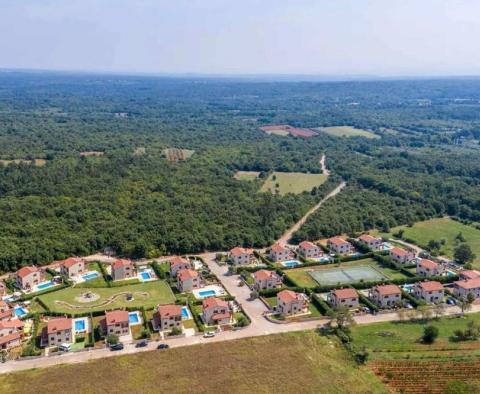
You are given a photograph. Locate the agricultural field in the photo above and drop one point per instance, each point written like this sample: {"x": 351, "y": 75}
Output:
{"x": 316, "y": 364}
{"x": 442, "y": 229}
{"x": 36, "y": 162}
{"x": 246, "y": 175}
{"x": 285, "y": 130}
{"x": 70, "y": 300}
{"x": 347, "y": 131}
{"x": 174, "y": 154}
{"x": 292, "y": 182}
{"x": 303, "y": 278}
{"x": 92, "y": 154}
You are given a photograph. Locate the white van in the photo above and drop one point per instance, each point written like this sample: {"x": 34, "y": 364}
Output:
{"x": 65, "y": 347}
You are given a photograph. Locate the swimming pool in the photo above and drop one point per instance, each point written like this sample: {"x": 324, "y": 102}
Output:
{"x": 133, "y": 318}
{"x": 145, "y": 275}
{"x": 20, "y": 311}
{"x": 291, "y": 263}
{"x": 207, "y": 293}
{"x": 185, "y": 313}
{"x": 90, "y": 275}
{"x": 80, "y": 325}
{"x": 408, "y": 288}
{"x": 45, "y": 285}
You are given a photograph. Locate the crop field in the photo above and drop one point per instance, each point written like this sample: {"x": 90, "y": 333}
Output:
{"x": 292, "y": 182}
{"x": 36, "y": 162}
{"x": 70, "y": 300}
{"x": 174, "y": 154}
{"x": 347, "y": 131}
{"x": 316, "y": 364}
{"x": 246, "y": 175}
{"x": 443, "y": 229}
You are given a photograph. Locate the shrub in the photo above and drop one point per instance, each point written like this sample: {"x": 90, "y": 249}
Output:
{"x": 430, "y": 334}
{"x": 112, "y": 339}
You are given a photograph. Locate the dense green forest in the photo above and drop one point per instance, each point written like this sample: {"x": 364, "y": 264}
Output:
{"x": 425, "y": 164}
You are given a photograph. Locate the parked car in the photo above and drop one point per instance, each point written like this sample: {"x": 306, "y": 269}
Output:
{"x": 65, "y": 347}
{"x": 163, "y": 346}
{"x": 208, "y": 334}
{"x": 117, "y": 346}
{"x": 141, "y": 343}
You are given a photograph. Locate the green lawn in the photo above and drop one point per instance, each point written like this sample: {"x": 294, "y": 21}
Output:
{"x": 292, "y": 182}
{"x": 347, "y": 131}
{"x": 443, "y": 228}
{"x": 97, "y": 282}
{"x": 246, "y": 175}
{"x": 147, "y": 294}
{"x": 401, "y": 339}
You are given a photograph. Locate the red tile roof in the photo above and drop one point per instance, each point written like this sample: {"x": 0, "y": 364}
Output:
{"x": 121, "y": 263}
{"x": 238, "y": 251}
{"x": 388, "y": 290}
{"x": 468, "y": 284}
{"x": 10, "y": 338}
{"x": 469, "y": 274}
{"x": 115, "y": 317}
{"x": 307, "y": 245}
{"x": 337, "y": 241}
{"x": 428, "y": 264}
{"x": 431, "y": 285}
{"x": 12, "y": 323}
{"x": 265, "y": 274}
{"x": 177, "y": 260}
{"x": 368, "y": 238}
{"x": 59, "y": 324}
{"x": 6, "y": 313}
{"x": 398, "y": 251}
{"x": 71, "y": 261}
{"x": 288, "y": 296}
{"x": 345, "y": 293}
{"x": 187, "y": 274}
{"x": 23, "y": 272}
{"x": 278, "y": 248}
{"x": 212, "y": 302}
{"x": 221, "y": 316}
{"x": 169, "y": 310}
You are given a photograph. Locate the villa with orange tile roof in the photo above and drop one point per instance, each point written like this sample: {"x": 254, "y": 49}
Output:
{"x": 343, "y": 297}
{"x": 6, "y": 313}
{"x": 73, "y": 266}
{"x": 27, "y": 278}
{"x": 123, "y": 269}
{"x": 427, "y": 268}
{"x": 339, "y": 245}
{"x": 462, "y": 288}
{"x": 265, "y": 280}
{"x": 400, "y": 255}
{"x": 309, "y": 250}
{"x": 11, "y": 333}
{"x": 187, "y": 280}
{"x": 167, "y": 317}
{"x": 290, "y": 303}
{"x": 431, "y": 292}
{"x": 279, "y": 253}
{"x": 241, "y": 256}
{"x": 385, "y": 296}
{"x": 58, "y": 330}
{"x": 469, "y": 274}
{"x": 216, "y": 312}
{"x": 177, "y": 264}
{"x": 369, "y": 241}
{"x": 117, "y": 323}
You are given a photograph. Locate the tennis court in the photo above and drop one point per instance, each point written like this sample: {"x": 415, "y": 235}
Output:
{"x": 332, "y": 276}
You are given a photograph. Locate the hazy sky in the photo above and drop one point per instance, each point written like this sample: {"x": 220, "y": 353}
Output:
{"x": 384, "y": 37}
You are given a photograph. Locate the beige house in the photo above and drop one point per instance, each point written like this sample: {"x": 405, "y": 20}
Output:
{"x": 11, "y": 333}
{"x": 400, "y": 255}
{"x": 6, "y": 313}
{"x": 123, "y": 269}
{"x": 187, "y": 280}
{"x": 309, "y": 250}
{"x": 241, "y": 256}
{"x": 279, "y": 253}
{"x": 343, "y": 297}
{"x": 117, "y": 323}
{"x": 431, "y": 292}
{"x": 167, "y": 317}
{"x": 58, "y": 331}
{"x": 385, "y": 296}
{"x": 73, "y": 266}
{"x": 339, "y": 246}
{"x": 370, "y": 241}
{"x": 290, "y": 303}
{"x": 177, "y": 264}
{"x": 216, "y": 312}
{"x": 27, "y": 278}
{"x": 265, "y": 280}
{"x": 427, "y": 268}
{"x": 462, "y": 288}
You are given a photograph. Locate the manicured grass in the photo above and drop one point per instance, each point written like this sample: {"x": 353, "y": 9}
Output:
{"x": 97, "y": 282}
{"x": 285, "y": 363}
{"x": 292, "y": 182}
{"x": 401, "y": 339}
{"x": 443, "y": 228}
{"x": 147, "y": 294}
{"x": 246, "y": 175}
{"x": 347, "y": 131}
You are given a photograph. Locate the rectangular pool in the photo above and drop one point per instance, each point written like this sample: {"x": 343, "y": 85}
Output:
{"x": 133, "y": 318}
{"x": 90, "y": 275}
{"x": 207, "y": 293}
{"x": 145, "y": 275}
{"x": 45, "y": 285}
{"x": 20, "y": 311}
{"x": 79, "y": 325}
{"x": 185, "y": 314}
{"x": 291, "y": 263}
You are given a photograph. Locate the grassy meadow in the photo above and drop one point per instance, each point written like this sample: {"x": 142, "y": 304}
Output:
{"x": 347, "y": 131}
{"x": 292, "y": 182}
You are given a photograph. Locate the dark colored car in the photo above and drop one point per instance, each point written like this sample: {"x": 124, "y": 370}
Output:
{"x": 142, "y": 343}
{"x": 163, "y": 346}
{"x": 117, "y": 346}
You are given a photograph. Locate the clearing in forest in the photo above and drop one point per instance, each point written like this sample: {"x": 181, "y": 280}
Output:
{"x": 285, "y": 129}
{"x": 92, "y": 154}
{"x": 36, "y": 162}
{"x": 246, "y": 175}
{"x": 292, "y": 182}
{"x": 175, "y": 154}
{"x": 347, "y": 131}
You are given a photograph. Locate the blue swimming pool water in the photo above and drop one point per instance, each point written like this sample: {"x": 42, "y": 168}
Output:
{"x": 90, "y": 276}
{"x": 19, "y": 311}
{"x": 291, "y": 263}
{"x": 185, "y": 315}
{"x": 146, "y": 275}
{"x": 133, "y": 318}
{"x": 79, "y": 325}
{"x": 45, "y": 285}
{"x": 206, "y": 293}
